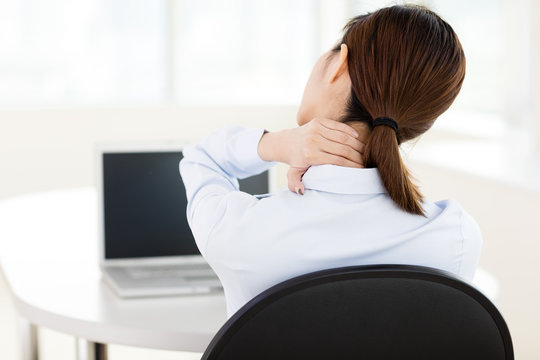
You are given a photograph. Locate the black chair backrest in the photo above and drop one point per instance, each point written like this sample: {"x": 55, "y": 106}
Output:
{"x": 366, "y": 312}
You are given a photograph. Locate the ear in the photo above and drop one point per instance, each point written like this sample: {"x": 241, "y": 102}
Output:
{"x": 341, "y": 66}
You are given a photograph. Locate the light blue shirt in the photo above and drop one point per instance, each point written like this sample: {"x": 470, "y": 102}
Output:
{"x": 344, "y": 218}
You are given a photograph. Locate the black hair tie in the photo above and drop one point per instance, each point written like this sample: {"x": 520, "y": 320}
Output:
{"x": 386, "y": 121}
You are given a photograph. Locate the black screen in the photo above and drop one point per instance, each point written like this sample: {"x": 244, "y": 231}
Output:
{"x": 145, "y": 205}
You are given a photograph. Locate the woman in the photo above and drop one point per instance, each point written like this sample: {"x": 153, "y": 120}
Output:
{"x": 393, "y": 73}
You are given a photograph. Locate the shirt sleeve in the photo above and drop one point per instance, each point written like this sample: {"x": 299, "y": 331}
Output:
{"x": 210, "y": 170}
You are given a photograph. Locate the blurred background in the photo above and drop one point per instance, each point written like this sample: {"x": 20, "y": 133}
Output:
{"x": 77, "y": 73}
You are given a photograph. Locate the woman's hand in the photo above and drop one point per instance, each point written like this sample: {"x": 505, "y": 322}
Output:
{"x": 321, "y": 141}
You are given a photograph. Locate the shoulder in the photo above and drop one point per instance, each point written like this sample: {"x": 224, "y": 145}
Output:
{"x": 453, "y": 210}
{"x": 469, "y": 233}
{"x": 449, "y": 205}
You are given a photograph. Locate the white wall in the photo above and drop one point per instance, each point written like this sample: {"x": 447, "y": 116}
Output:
{"x": 508, "y": 217}
{"x": 48, "y": 149}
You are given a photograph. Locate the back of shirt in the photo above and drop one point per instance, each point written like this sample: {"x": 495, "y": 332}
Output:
{"x": 287, "y": 235}
{"x": 344, "y": 218}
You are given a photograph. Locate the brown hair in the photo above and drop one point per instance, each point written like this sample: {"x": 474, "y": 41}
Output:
{"x": 407, "y": 64}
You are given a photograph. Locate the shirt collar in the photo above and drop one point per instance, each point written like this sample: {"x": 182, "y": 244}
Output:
{"x": 343, "y": 180}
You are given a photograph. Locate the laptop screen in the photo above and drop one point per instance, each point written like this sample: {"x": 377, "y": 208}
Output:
{"x": 145, "y": 205}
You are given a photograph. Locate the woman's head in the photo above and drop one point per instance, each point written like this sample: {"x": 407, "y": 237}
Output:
{"x": 328, "y": 88}
{"x": 403, "y": 63}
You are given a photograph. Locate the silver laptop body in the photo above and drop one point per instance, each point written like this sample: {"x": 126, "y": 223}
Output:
{"x": 146, "y": 246}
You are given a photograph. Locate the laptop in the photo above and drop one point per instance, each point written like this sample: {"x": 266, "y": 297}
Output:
{"x": 147, "y": 248}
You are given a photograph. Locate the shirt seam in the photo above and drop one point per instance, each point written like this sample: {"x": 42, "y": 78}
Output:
{"x": 462, "y": 244}
{"x": 211, "y": 231}
{"x": 213, "y": 227}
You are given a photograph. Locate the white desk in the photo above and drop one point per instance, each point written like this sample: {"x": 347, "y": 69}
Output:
{"x": 48, "y": 254}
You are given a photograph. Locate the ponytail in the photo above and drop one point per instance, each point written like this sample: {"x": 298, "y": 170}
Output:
{"x": 382, "y": 151}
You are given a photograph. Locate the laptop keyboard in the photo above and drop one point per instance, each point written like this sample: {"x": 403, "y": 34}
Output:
{"x": 187, "y": 272}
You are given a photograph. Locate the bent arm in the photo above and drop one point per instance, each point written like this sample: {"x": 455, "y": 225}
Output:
{"x": 210, "y": 170}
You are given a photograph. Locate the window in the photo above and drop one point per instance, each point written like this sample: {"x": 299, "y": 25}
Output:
{"x": 60, "y": 52}
{"x": 235, "y": 52}
{"x": 243, "y": 52}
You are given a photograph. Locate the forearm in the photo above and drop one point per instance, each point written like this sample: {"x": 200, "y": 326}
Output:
{"x": 230, "y": 152}
{"x": 321, "y": 141}
{"x": 272, "y": 146}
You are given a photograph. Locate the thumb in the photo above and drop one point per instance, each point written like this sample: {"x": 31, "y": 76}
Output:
{"x": 294, "y": 179}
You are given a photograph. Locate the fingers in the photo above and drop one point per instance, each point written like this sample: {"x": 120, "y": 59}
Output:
{"x": 321, "y": 138}
{"x": 340, "y": 133}
{"x": 340, "y": 161}
{"x": 342, "y": 150}
{"x": 338, "y": 126}
{"x": 343, "y": 138}
{"x": 294, "y": 179}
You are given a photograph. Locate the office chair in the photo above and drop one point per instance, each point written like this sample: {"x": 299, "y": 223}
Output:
{"x": 366, "y": 312}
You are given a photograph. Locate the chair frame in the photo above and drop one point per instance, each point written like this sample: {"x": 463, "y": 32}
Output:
{"x": 258, "y": 303}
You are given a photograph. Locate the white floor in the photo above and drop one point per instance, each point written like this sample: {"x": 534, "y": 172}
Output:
{"x": 57, "y": 346}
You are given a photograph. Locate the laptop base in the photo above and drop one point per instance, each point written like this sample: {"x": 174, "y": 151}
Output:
{"x": 161, "y": 280}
